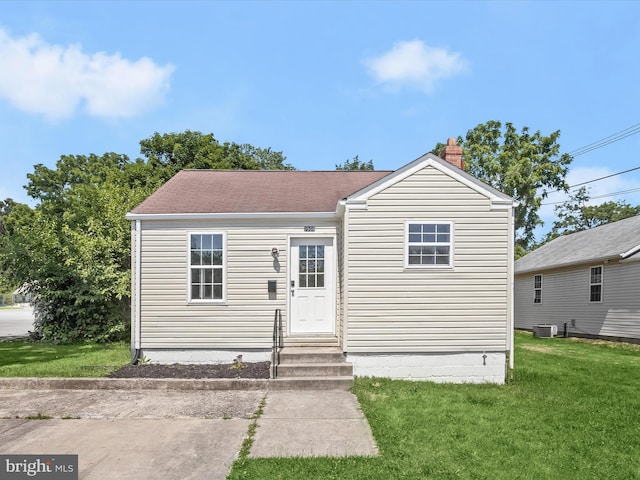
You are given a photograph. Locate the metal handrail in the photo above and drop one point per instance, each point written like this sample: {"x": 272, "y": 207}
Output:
{"x": 278, "y": 341}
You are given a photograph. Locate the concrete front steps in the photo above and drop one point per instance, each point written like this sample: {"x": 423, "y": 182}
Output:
{"x": 312, "y": 368}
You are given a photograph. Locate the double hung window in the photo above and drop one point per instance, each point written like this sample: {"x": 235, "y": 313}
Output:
{"x": 537, "y": 289}
{"x": 206, "y": 267}
{"x": 595, "y": 284}
{"x": 429, "y": 244}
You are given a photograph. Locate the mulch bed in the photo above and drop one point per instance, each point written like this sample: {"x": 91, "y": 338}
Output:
{"x": 230, "y": 370}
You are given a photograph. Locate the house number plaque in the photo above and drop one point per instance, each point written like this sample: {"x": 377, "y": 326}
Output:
{"x": 310, "y": 229}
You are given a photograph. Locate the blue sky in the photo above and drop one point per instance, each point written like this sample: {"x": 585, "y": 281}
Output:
{"x": 320, "y": 81}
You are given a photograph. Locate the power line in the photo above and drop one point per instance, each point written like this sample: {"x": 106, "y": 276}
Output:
{"x": 602, "y": 178}
{"x": 615, "y": 137}
{"x": 604, "y": 195}
{"x": 595, "y": 180}
{"x": 622, "y": 192}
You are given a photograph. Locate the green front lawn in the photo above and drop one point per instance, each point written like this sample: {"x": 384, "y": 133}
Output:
{"x": 20, "y": 358}
{"x": 572, "y": 412}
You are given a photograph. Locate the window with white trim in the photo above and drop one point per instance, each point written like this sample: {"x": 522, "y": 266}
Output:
{"x": 595, "y": 284}
{"x": 206, "y": 266}
{"x": 429, "y": 244}
{"x": 537, "y": 289}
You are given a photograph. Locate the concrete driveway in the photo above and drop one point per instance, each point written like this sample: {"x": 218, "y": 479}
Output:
{"x": 142, "y": 434}
{"x": 15, "y": 322}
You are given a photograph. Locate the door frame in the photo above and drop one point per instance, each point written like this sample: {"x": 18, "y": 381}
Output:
{"x": 334, "y": 294}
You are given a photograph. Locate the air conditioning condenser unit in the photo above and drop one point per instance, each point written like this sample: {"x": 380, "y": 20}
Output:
{"x": 545, "y": 331}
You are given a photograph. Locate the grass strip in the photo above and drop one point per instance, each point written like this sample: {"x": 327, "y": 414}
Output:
{"x": 247, "y": 443}
{"x": 21, "y": 358}
{"x": 570, "y": 412}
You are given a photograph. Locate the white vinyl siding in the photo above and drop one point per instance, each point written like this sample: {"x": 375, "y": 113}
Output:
{"x": 566, "y": 299}
{"x": 395, "y": 309}
{"x": 245, "y": 320}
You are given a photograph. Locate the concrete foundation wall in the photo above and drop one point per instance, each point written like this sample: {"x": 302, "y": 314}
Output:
{"x": 440, "y": 368}
{"x": 168, "y": 356}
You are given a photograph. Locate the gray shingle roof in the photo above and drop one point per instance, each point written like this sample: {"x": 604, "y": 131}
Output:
{"x": 255, "y": 191}
{"x": 605, "y": 242}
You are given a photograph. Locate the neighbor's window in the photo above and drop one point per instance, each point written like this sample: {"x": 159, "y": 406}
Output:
{"x": 595, "y": 284}
{"x": 537, "y": 289}
{"x": 429, "y": 244}
{"x": 206, "y": 266}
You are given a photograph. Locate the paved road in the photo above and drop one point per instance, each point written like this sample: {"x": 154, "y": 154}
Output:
{"x": 15, "y": 322}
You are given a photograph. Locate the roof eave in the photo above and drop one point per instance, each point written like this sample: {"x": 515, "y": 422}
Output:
{"x": 499, "y": 203}
{"x": 589, "y": 261}
{"x": 230, "y": 216}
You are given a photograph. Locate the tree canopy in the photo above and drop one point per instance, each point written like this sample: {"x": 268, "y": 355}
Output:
{"x": 527, "y": 166}
{"x": 576, "y": 215}
{"x": 73, "y": 248}
{"x": 5, "y": 209}
{"x": 355, "y": 164}
{"x": 169, "y": 153}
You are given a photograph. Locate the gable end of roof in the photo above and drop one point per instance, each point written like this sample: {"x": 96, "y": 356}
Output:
{"x": 498, "y": 199}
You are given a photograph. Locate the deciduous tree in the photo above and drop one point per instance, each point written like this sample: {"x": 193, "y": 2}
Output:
{"x": 527, "y": 166}
{"x": 73, "y": 247}
{"x": 169, "y": 153}
{"x": 576, "y": 215}
{"x": 355, "y": 164}
{"x": 6, "y": 206}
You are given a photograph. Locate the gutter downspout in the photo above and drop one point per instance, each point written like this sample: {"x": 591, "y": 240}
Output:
{"x": 630, "y": 252}
{"x": 511, "y": 253}
{"x": 345, "y": 277}
{"x": 137, "y": 288}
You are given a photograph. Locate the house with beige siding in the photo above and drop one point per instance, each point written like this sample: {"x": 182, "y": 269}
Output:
{"x": 406, "y": 273}
{"x": 585, "y": 284}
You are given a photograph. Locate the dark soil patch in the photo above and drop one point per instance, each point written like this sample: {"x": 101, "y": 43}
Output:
{"x": 176, "y": 370}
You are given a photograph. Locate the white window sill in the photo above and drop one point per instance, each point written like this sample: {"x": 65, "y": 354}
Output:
{"x": 207, "y": 302}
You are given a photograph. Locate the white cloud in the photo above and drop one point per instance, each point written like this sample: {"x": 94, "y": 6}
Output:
{"x": 55, "y": 80}
{"x": 416, "y": 65}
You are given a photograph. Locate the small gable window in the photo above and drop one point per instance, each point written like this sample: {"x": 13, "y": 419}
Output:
{"x": 595, "y": 284}
{"x": 537, "y": 289}
{"x": 429, "y": 244}
{"x": 206, "y": 267}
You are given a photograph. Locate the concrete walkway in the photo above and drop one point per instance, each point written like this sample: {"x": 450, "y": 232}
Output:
{"x": 312, "y": 424}
{"x": 168, "y": 434}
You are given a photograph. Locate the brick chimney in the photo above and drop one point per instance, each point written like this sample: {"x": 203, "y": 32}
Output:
{"x": 452, "y": 153}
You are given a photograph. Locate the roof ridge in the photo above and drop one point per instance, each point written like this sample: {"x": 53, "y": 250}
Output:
{"x": 280, "y": 171}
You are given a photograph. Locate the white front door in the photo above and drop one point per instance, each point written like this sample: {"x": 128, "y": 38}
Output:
{"x": 311, "y": 286}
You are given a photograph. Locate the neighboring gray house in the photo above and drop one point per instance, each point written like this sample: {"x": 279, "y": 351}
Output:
{"x": 408, "y": 273}
{"x": 588, "y": 280}
{"x": 22, "y": 294}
